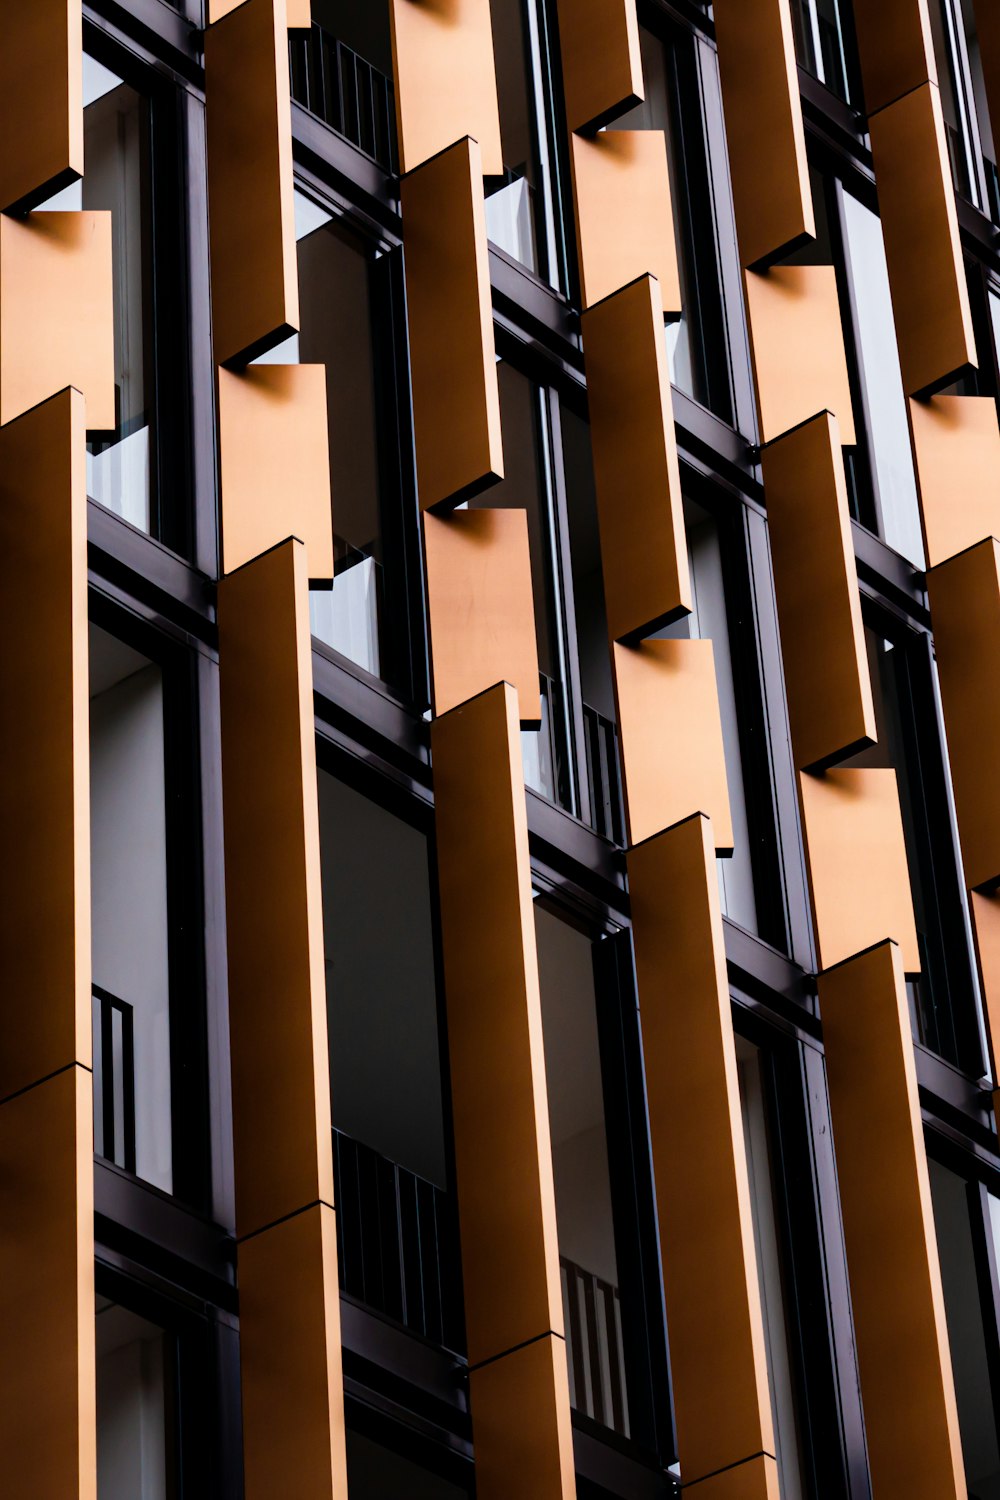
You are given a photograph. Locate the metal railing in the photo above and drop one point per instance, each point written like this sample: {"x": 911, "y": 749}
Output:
{"x": 603, "y": 775}
{"x": 346, "y": 92}
{"x": 114, "y": 1079}
{"x": 397, "y": 1237}
{"x": 594, "y": 1347}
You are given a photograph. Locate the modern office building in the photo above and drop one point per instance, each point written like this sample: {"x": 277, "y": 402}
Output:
{"x": 500, "y": 646}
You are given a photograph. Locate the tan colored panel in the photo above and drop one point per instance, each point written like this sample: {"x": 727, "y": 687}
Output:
{"x": 255, "y": 290}
{"x": 717, "y": 1352}
{"x": 930, "y": 296}
{"x": 277, "y": 990}
{"x": 521, "y": 1416}
{"x": 986, "y": 926}
{"x": 757, "y": 1479}
{"x": 503, "y": 1151}
{"x": 670, "y": 737}
{"x": 767, "y": 150}
{"x": 956, "y": 444}
{"x": 965, "y": 609}
{"x": 816, "y": 588}
{"x": 481, "y": 613}
{"x": 856, "y": 859}
{"x": 797, "y": 339}
{"x": 601, "y": 62}
{"x": 291, "y": 1360}
{"x": 892, "y": 1257}
{"x": 57, "y": 313}
{"x": 896, "y": 47}
{"x": 299, "y": 12}
{"x": 274, "y": 464}
{"x": 445, "y": 77}
{"x": 644, "y": 554}
{"x": 41, "y": 99}
{"x": 48, "y": 1418}
{"x": 45, "y": 747}
{"x": 624, "y": 222}
{"x": 449, "y": 312}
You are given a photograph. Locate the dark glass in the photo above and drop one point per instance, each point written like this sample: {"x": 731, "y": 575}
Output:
{"x": 375, "y": 1472}
{"x": 341, "y": 71}
{"x": 823, "y": 44}
{"x": 697, "y": 342}
{"x": 136, "y": 1437}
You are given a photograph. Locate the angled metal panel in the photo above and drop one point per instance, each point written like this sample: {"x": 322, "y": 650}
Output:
{"x": 757, "y": 1479}
{"x": 624, "y": 222}
{"x": 45, "y": 747}
{"x": 965, "y": 609}
{"x": 41, "y": 100}
{"x": 278, "y": 1034}
{"x": 896, "y": 46}
{"x": 291, "y": 1360}
{"x": 445, "y": 77}
{"x": 930, "y": 295}
{"x": 985, "y": 910}
{"x": 57, "y": 313}
{"x": 670, "y": 736}
{"x": 299, "y": 12}
{"x": 255, "y": 291}
{"x": 48, "y": 1416}
{"x": 767, "y": 150}
{"x": 449, "y": 311}
{"x": 956, "y": 447}
{"x": 827, "y": 677}
{"x": 503, "y": 1153}
{"x": 644, "y": 554}
{"x": 797, "y": 342}
{"x": 601, "y": 61}
{"x": 274, "y": 464}
{"x": 856, "y": 858}
{"x": 520, "y": 1407}
{"x": 480, "y": 609}
{"x": 892, "y": 1257}
{"x": 718, "y": 1355}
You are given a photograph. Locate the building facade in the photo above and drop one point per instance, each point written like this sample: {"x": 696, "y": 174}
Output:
{"x": 500, "y": 584}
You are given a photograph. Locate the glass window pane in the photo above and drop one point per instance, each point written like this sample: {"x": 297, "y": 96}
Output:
{"x": 134, "y": 1435}
{"x": 377, "y": 1473}
{"x": 130, "y": 930}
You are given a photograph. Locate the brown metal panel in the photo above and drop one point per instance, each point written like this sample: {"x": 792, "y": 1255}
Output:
{"x": 57, "y": 312}
{"x": 41, "y": 99}
{"x": 299, "y": 12}
{"x": 291, "y": 1360}
{"x": 449, "y": 312}
{"x": 274, "y": 464}
{"x": 767, "y": 150}
{"x": 856, "y": 858}
{"x": 644, "y": 554}
{"x": 277, "y": 990}
{"x": 827, "y": 677}
{"x": 521, "y": 1417}
{"x": 956, "y": 445}
{"x": 896, "y": 46}
{"x": 965, "y": 609}
{"x": 985, "y": 909}
{"x": 45, "y": 747}
{"x": 445, "y": 77}
{"x": 987, "y": 15}
{"x": 480, "y": 608}
{"x": 624, "y": 222}
{"x": 797, "y": 341}
{"x": 255, "y": 290}
{"x": 601, "y": 61}
{"x": 718, "y": 1358}
{"x": 892, "y": 1257}
{"x": 503, "y": 1153}
{"x": 670, "y": 737}
{"x": 930, "y": 296}
{"x": 48, "y": 1419}
{"x": 757, "y": 1479}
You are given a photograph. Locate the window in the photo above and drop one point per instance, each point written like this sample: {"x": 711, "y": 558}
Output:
{"x": 342, "y": 72}
{"x": 377, "y": 1472}
{"x": 824, "y": 44}
{"x": 967, "y": 1221}
{"x": 135, "y": 1432}
{"x": 386, "y": 1072}
{"x": 697, "y": 342}
{"x": 963, "y": 101}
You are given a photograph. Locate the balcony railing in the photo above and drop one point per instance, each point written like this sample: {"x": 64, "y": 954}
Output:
{"x": 594, "y": 1347}
{"x": 397, "y": 1238}
{"x": 114, "y": 1079}
{"x": 346, "y": 92}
